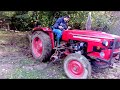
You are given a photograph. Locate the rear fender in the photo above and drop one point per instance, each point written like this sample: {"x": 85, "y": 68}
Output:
{"x": 46, "y": 30}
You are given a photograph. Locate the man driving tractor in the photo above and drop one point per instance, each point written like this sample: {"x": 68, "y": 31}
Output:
{"x": 80, "y": 49}
{"x": 59, "y": 26}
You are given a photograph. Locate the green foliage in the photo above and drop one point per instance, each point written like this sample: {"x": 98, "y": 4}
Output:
{"x": 8, "y": 13}
{"x": 103, "y": 19}
{"x": 23, "y": 19}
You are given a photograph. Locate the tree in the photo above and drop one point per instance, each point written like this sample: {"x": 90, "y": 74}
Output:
{"x": 22, "y": 20}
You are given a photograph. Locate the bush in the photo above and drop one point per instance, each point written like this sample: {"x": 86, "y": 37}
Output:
{"x": 23, "y": 20}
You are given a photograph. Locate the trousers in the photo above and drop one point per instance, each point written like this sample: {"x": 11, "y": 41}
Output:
{"x": 58, "y": 32}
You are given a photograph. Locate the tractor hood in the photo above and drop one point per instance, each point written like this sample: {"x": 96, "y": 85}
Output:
{"x": 91, "y": 34}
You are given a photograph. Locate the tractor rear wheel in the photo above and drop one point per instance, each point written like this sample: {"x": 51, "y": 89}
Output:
{"x": 76, "y": 66}
{"x": 41, "y": 46}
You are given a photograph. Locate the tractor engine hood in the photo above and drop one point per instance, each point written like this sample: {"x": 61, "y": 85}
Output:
{"x": 90, "y": 34}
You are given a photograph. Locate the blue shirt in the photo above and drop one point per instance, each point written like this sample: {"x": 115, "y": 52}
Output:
{"x": 60, "y": 22}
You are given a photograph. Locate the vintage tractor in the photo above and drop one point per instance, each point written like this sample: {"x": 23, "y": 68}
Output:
{"x": 79, "y": 49}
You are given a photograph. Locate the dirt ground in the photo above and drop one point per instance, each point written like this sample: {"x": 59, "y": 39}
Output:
{"x": 16, "y": 61}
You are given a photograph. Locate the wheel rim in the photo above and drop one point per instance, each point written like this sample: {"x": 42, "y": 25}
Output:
{"x": 37, "y": 47}
{"x": 75, "y": 68}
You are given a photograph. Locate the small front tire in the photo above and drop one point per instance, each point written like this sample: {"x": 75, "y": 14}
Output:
{"x": 76, "y": 66}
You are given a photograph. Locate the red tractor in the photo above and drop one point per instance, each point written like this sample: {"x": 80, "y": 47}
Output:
{"x": 79, "y": 49}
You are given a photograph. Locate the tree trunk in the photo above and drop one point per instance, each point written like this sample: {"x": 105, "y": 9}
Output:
{"x": 89, "y": 22}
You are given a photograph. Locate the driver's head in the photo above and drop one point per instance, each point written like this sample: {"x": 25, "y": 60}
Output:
{"x": 66, "y": 18}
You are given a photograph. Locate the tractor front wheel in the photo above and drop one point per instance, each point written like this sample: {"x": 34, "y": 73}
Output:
{"x": 99, "y": 64}
{"x": 76, "y": 66}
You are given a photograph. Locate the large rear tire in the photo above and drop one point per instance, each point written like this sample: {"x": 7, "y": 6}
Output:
{"x": 76, "y": 66}
{"x": 41, "y": 46}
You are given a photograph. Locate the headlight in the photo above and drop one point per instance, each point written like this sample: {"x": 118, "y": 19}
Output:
{"x": 105, "y": 43}
{"x": 102, "y": 54}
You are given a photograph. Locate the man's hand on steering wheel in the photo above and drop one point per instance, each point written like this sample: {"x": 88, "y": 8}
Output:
{"x": 68, "y": 28}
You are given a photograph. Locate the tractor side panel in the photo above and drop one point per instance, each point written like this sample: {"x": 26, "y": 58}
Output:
{"x": 91, "y": 42}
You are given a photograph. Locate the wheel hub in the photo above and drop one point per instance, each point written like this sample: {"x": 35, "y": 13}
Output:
{"x": 37, "y": 46}
{"x": 75, "y": 68}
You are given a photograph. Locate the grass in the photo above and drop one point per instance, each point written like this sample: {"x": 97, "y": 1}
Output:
{"x": 26, "y": 62}
{"x": 20, "y": 73}
{"x": 32, "y": 73}
{"x": 3, "y": 32}
{"x": 23, "y": 65}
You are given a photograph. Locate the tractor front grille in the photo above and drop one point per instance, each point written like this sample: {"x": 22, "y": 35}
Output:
{"x": 117, "y": 45}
